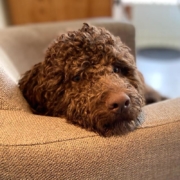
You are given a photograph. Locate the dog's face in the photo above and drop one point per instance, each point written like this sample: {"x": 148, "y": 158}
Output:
{"x": 90, "y": 78}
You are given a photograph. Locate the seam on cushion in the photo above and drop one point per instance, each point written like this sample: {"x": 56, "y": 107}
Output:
{"x": 18, "y": 110}
{"x": 72, "y": 139}
{"x": 12, "y": 107}
{"x": 50, "y": 142}
{"x": 158, "y": 125}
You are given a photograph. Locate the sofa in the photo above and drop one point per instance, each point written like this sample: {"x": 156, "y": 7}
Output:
{"x": 40, "y": 147}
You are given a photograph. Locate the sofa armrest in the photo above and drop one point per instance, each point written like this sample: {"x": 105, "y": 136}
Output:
{"x": 10, "y": 95}
{"x": 38, "y": 147}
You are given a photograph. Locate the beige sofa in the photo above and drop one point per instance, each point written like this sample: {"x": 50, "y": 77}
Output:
{"x": 39, "y": 147}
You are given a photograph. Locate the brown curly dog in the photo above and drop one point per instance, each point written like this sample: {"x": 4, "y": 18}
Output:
{"x": 90, "y": 78}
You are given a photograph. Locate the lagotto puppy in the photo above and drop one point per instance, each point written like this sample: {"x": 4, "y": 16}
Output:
{"x": 90, "y": 78}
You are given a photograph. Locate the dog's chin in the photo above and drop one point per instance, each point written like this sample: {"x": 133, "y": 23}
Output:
{"x": 114, "y": 125}
{"x": 123, "y": 125}
{"x": 108, "y": 124}
{"x": 120, "y": 125}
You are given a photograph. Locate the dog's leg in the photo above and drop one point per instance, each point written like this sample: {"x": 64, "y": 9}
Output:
{"x": 152, "y": 96}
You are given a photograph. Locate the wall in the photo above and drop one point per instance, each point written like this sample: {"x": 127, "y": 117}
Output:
{"x": 157, "y": 25}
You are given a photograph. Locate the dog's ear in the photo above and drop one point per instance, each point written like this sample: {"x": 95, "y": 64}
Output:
{"x": 28, "y": 86}
{"x": 41, "y": 86}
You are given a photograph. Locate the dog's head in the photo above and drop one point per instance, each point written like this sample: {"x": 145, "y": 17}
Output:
{"x": 89, "y": 77}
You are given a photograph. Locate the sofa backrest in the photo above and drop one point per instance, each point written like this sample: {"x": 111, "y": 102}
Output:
{"x": 24, "y": 46}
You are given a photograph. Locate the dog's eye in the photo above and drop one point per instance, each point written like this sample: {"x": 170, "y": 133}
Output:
{"x": 76, "y": 78}
{"x": 116, "y": 69}
{"x": 123, "y": 70}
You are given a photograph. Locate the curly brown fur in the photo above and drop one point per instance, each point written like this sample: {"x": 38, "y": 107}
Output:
{"x": 81, "y": 72}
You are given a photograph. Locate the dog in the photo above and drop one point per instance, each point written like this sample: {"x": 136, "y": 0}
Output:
{"x": 90, "y": 78}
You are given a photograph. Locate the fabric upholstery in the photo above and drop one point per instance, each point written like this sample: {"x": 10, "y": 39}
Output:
{"x": 37, "y": 147}
{"x": 42, "y": 147}
{"x": 10, "y": 95}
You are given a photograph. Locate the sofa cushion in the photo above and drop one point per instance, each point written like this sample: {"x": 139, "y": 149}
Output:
{"x": 37, "y": 129}
{"x": 39, "y": 147}
{"x": 10, "y": 95}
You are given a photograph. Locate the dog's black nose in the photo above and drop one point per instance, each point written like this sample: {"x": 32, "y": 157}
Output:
{"x": 118, "y": 102}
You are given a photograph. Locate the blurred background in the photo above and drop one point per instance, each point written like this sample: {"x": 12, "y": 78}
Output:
{"x": 157, "y": 24}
